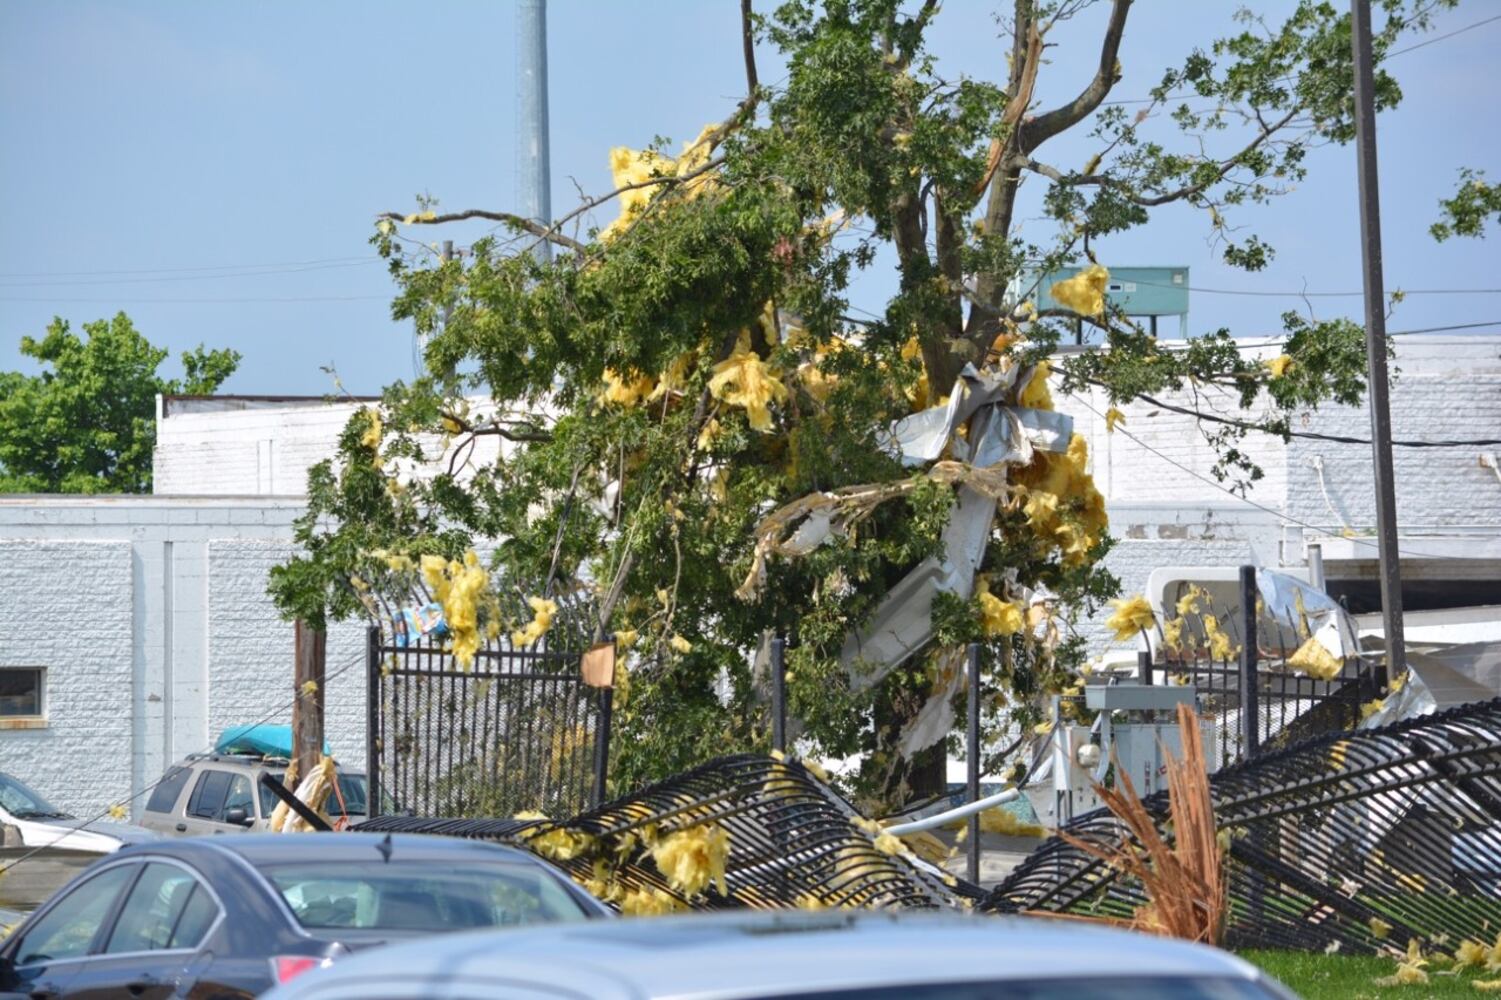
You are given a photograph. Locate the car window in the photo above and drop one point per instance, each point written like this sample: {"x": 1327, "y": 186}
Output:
{"x": 24, "y": 803}
{"x": 421, "y": 895}
{"x": 68, "y": 929}
{"x": 197, "y": 917}
{"x": 1062, "y": 988}
{"x": 239, "y": 797}
{"x": 208, "y": 796}
{"x": 164, "y": 795}
{"x": 153, "y": 912}
{"x": 351, "y": 787}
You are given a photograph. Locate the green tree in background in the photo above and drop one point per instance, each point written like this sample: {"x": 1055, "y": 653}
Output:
{"x": 87, "y": 422}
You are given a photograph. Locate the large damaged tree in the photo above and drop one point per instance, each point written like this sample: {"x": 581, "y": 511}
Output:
{"x": 677, "y": 416}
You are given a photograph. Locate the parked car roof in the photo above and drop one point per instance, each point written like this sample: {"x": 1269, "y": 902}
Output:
{"x": 768, "y": 954}
{"x": 273, "y": 848}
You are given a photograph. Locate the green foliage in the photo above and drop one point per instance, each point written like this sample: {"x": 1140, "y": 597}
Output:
{"x": 1474, "y": 204}
{"x": 87, "y": 422}
{"x": 628, "y": 469}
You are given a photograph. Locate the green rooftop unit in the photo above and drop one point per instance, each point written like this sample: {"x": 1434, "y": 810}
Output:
{"x": 1146, "y": 292}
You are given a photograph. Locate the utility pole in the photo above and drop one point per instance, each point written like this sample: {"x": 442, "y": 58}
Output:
{"x": 1375, "y": 338}
{"x": 533, "y": 166}
{"x": 310, "y": 647}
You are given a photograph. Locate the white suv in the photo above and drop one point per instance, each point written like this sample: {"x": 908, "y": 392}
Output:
{"x": 222, "y": 793}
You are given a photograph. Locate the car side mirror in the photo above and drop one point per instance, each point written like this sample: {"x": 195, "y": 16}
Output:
{"x": 237, "y": 816}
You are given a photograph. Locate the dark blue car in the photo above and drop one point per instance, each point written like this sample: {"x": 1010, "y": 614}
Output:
{"x": 233, "y": 916}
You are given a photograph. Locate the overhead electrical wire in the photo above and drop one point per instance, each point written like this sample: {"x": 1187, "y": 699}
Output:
{"x": 1392, "y": 54}
{"x": 1281, "y": 515}
{"x": 221, "y": 276}
{"x": 1401, "y": 292}
{"x": 177, "y": 269}
{"x": 1312, "y": 435}
{"x": 204, "y": 301}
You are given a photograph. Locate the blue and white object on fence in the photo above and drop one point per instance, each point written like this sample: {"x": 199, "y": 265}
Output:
{"x": 411, "y": 624}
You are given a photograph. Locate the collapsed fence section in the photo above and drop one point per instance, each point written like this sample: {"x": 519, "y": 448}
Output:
{"x": 1356, "y": 841}
{"x": 737, "y": 832}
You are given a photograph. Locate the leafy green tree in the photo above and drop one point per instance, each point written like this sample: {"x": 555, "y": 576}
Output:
{"x": 87, "y": 422}
{"x": 1475, "y": 203}
{"x": 663, "y": 389}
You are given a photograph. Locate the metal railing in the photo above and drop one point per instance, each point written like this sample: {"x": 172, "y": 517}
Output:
{"x": 1358, "y": 841}
{"x": 518, "y": 730}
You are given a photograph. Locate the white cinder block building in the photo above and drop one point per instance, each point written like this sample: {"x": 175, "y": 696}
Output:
{"x": 141, "y": 625}
{"x": 141, "y": 628}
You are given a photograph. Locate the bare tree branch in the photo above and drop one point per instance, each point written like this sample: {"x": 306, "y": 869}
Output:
{"x": 1038, "y": 130}
{"x": 1223, "y": 168}
{"x": 536, "y": 229}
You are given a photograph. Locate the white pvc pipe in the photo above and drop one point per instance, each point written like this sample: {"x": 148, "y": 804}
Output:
{"x": 959, "y": 812}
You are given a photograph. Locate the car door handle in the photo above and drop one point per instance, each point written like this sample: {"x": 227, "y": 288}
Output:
{"x": 182, "y": 828}
{"x": 141, "y": 985}
{"x": 43, "y": 991}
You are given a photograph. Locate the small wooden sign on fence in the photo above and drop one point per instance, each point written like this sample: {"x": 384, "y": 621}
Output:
{"x": 598, "y": 666}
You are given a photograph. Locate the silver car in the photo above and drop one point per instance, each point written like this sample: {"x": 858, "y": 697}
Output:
{"x": 222, "y": 793}
{"x": 829, "y": 955}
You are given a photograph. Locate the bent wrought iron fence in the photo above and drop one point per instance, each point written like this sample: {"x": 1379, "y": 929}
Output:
{"x": 789, "y": 840}
{"x": 1356, "y": 841}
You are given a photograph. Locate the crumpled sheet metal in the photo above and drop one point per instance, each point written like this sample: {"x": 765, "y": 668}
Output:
{"x": 1329, "y": 623}
{"x": 902, "y": 624}
{"x": 936, "y": 718}
{"x": 1411, "y": 700}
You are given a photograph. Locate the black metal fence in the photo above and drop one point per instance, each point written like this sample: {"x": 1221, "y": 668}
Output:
{"x": 786, "y": 839}
{"x": 1359, "y": 841}
{"x": 1238, "y": 662}
{"x": 516, "y": 731}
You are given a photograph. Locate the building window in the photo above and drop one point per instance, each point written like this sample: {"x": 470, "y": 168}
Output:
{"x": 22, "y": 695}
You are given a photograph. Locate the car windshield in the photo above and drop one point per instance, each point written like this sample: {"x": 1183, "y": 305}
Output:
{"x": 1064, "y": 988}
{"x": 351, "y": 789}
{"x": 23, "y": 803}
{"x": 421, "y": 895}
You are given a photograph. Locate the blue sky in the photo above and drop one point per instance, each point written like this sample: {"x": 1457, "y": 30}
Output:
{"x": 150, "y": 136}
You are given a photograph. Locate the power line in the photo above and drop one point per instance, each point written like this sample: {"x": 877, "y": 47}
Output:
{"x": 1288, "y": 518}
{"x": 1318, "y": 295}
{"x": 221, "y": 276}
{"x": 174, "y": 270}
{"x": 1392, "y": 54}
{"x": 1440, "y": 38}
{"x": 1313, "y": 435}
{"x": 203, "y": 301}
{"x": 354, "y": 661}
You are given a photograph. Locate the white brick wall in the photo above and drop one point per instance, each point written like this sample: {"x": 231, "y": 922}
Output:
{"x": 252, "y": 649}
{"x": 232, "y": 447}
{"x": 68, "y": 607}
{"x": 152, "y": 617}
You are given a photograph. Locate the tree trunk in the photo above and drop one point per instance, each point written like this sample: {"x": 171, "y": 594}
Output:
{"x": 310, "y": 647}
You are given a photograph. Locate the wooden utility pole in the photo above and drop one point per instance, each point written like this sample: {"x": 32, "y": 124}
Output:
{"x": 310, "y": 647}
{"x": 1375, "y": 338}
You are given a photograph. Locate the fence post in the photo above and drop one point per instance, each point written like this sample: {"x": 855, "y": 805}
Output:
{"x": 602, "y": 744}
{"x": 372, "y": 720}
{"x": 973, "y": 759}
{"x": 779, "y": 694}
{"x": 1144, "y": 667}
{"x": 1250, "y": 710}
